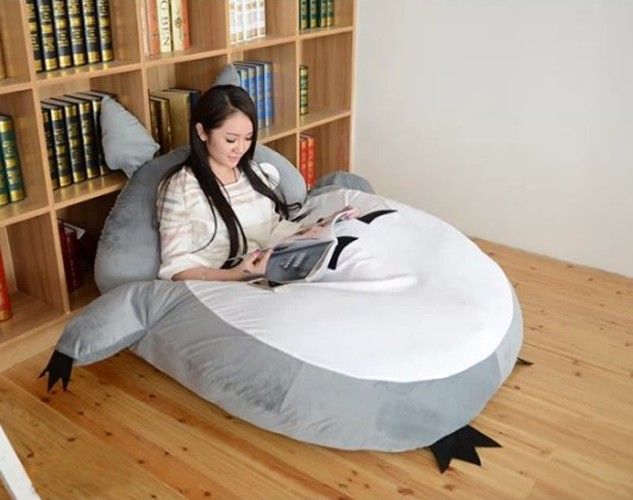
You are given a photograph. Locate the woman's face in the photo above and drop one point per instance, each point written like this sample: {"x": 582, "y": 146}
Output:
{"x": 228, "y": 143}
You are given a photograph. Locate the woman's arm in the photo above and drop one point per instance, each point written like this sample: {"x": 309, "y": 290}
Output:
{"x": 253, "y": 265}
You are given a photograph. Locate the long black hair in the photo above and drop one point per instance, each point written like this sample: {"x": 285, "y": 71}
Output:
{"x": 211, "y": 111}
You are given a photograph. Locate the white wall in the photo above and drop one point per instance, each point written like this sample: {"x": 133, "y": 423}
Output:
{"x": 512, "y": 120}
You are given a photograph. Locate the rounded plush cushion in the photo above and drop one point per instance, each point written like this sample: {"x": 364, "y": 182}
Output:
{"x": 129, "y": 246}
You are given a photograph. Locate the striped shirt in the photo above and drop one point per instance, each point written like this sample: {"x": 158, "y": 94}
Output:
{"x": 188, "y": 234}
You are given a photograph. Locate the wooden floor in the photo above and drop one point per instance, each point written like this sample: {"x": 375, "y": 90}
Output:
{"x": 124, "y": 430}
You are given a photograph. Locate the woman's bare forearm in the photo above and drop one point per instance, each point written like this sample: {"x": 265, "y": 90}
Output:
{"x": 210, "y": 274}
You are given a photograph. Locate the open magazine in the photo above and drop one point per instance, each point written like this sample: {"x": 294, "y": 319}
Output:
{"x": 305, "y": 255}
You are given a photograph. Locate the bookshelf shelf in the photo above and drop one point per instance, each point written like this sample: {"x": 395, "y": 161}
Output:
{"x": 321, "y": 117}
{"x": 29, "y": 236}
{"x": 89, "y": 189}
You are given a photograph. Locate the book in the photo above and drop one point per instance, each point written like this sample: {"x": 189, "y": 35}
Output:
{"x": 60, "y": 143}
{"x": 303, "y": 14}
{"x": 88, "y": 135}
{"x": 77, "y": 42}
{"x": 50, "y": 149}
{"x": 91, "y": 34}
{"x": 305, "y": 256}
{"x": 62, "y": 34}
{"x": 95, "y": 101}
{"x": 249, "y": 19}
{"x": 179, "y": 24}
{"x": 47, "y": 34}
{"x": 238, "y": 20}
{"x": 4, "y": 188}
{"x": 232, "y": 26}
{"x": 303, "y": 89}
{"x": 179, "y": 115}
{"x": 330, "y": 12}
{"x": 303, "y": 157}
{"x": 11, "y": 159}
{"x": 164, "y": 25}
{"x": 70, "y": 256}
{"x": 313, "y": 13}
{"x": 164, "y": 123}
{"x": 255, "y": 87}
{"x": 104, "y": 27}
{"x": 5, "y": 302}
{"x": 194, "y": 96}
{"x": 268, "y": 104}
{"x": 260, "y": 16}
{"x": 154, "y": 120}
{"x": 322, "y": 13}
{"x": 31, "y": 12}
{"x": 152, "y": 35}
{"x": 310, "y": 165}
{"x": 73, "y": 134}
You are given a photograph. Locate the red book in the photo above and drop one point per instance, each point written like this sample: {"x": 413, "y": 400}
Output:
{"x": 311, "y": 162}
{"x": 70, "y": 256}
{"x": 186, "y": 39}
{"x": 5, "y": 303}
{"x": 153, "y": 37}
{"x": 303, "y": 157}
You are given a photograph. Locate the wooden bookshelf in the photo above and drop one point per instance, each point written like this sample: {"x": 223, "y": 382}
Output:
{"x": 29, "y": 240}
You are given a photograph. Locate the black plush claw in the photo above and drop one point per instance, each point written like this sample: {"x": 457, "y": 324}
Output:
{"x": 523, "y": 362}
{"x": 59, "y": 367}
{"x": 461, "y": 445}
{"x": 342, "y": 242}
{"x": 367, "y": 218}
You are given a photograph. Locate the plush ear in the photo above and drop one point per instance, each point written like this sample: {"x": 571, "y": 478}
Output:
{"x": 126, "y": 143}
{"x": 228, "y": 76}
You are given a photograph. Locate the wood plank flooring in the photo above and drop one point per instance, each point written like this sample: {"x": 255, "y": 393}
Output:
{"x": 125, "y": 430}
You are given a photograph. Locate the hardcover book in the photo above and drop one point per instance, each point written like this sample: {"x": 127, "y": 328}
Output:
{"x": 179, "y": 114}
{"x": 31, "y": 12}
{"x": 60, "y": 143}
{"x": 104, "y": 27}
{"x": 91, "y": 33}
{"x": 77, "y": 41}
{"x": 73, "y": 133}
{"x": 11, "y": 159}
{"x": 47, "y": 34}
{"x": 62, "y": 34}
{"x": 50, "y": 149}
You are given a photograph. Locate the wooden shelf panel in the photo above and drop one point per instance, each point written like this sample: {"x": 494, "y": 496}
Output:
{"x": 191, "y": 54}
{"x": 259, "y": 43}
{"x": 22, "y": 210}
{"x": 88, "y": 71}
{"x": 89, "y": 189}
{"x": 322, "y": 32}
{"x": 321, "y": 117}
{"x": 28, "y": 314}
{"x": 286, "y": 146}
{"x": 84, "y": 295}
{"x": 274, "y": 132}
{"x": 10, "y": 85}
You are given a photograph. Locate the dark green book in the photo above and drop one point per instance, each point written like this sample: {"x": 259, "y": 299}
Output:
{"x": 31, "y": 12}
{"x": 77, "y": 42}
{"x": 313, "y": 13}
{"x": 4, "y": 189}
{"x": 60, "y": 143}
{"x": 50, "y": 148}
{"x": 322, "y": 14}
{"x": 105, "y": 30}
{"x": 47, "y": 34}
{"x": 62, "y": 34}
{"x": 303, "y": 14}
{"x": 88, "y": 136}
{"x": 95, "y": 100}
{"x": 11, "y": 159}
{"x": 73, "y": 132}
{"x": 91, "y": 32}
{"x": 303, "y": 89}
{"x": 330, "y": 12}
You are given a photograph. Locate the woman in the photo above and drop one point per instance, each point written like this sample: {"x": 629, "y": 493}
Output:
{"x": 220, "y": 204}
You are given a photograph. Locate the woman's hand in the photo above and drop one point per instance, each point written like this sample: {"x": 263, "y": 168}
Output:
{"x": 254, "y": 264}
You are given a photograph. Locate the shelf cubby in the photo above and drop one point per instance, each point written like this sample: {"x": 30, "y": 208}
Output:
{"x": 15, "y": 48}
{"x": 20, "y": 106}
{"x": 332, "y": 143}
{"x": 198, "y": 74}
{"x": 89, "y": 215}
{"x": 286, "y": 146}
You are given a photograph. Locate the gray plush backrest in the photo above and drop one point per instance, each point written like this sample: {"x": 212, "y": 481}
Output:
{"x": 129, "y": 247}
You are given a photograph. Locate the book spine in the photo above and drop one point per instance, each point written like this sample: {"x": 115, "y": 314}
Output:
{"x": 75, "y": 148}
{"x": 5, "y": 302}
{"x": 4, "y": 189}
{"x": 62, "y": 35}
{"x": 184, "y": 13}
{"x": 70, "y": 256}
{"x": 176, "y": 24}
{"x": 154, "y": 119}
{"x": 303, "y": 89}
{"x": 47, "y": 34}
{"x": 91, "y": 33}
{"x": 239, "y": 20}
{"x": 153, "y": 34}
{"x": 322, "y": 13}
{"x": 330, "y": 12}
{"x": 261, "y": 18}
{"x": 88, "y": 139}
{"x": 11, "y": 159}
{"x": 261, "y": 94}
{"x": 269, "y": 105}
{"x": 165, "y": 125}
{"x": 303, "y": 157}
{"x": 303, "y": 14}
{"x": 251, "y": 19}
{"x": 310, "y": 162}
{"x": 31, "y": 11}
{"x": 77, "y": 42}
{"x": 232, "y": 21}
{"x": 164, "y": 25}
{"x": 104, "y": 28}
{"x": 313, "y": 13}
{"x": 50, "y": 148}
{"x": 60, "y": 145}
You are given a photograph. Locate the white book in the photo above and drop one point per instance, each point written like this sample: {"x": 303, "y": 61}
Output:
{"x": 261, "y": 18}
{"x": 177, "y": 34}
{"x": 164, "y": 25}
{"x": 239, "y": 20}
{"x": 232, "y": 21}
{"x": 250, "y": 19}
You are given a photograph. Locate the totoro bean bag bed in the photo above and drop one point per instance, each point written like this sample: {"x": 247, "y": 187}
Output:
{"x": 401, "y": 344}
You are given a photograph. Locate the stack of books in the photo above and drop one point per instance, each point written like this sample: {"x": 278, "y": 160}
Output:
{"x": 73, "y": 137}
{"x": 307, "y": 159}
{"x": 11, "y": 185}
{"x": 256, "y": 77}
{"x": 316, "y": 14}
{"x": 5, "y": 302}
{"x": 165, "y": 26}
{"x": 170, "y": 113}
{"x": 67, "y": 33}
{"x": 247, "y": 20}
{"x": 303, "y": 89}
